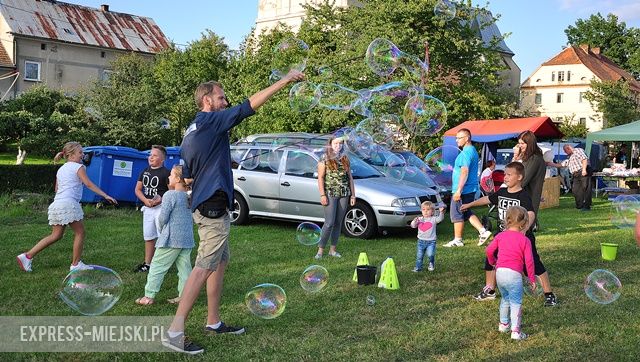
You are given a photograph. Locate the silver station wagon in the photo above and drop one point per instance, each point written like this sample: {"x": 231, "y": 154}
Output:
{"x": 275, "y": 181}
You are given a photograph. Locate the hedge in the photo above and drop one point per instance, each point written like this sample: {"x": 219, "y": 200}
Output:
{"x": 28, "y": 178}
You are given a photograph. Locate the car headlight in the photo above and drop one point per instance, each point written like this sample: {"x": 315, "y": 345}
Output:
{"x": 406, "y": 201}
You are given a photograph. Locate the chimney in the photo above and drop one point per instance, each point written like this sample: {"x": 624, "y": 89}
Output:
{"x": 585, "y": 47}
{"x": 104, "y": 7}
{"x": 595, "y": 50}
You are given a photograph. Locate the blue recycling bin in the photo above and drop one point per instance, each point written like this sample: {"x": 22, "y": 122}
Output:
{"x": 115, "y": 170}
{"x": 173, "y": 156}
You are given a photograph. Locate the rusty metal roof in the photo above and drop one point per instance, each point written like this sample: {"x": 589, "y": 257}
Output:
{"x": 79, "y": 24}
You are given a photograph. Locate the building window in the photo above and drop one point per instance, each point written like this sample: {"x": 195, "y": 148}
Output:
{"x": 43, "y": 46}
{"x": 561, "y": 76}
{"x": 32, "y": 71}
{"x": 581, "y": 97}
{"x": 103, "y": 54}
{"x": 583, "y": 121}
{"x": 568, "y": 75}
{"x": 553, "y": 76}
{"x": 559, "y": 97}
{"x": 538, "y": 98}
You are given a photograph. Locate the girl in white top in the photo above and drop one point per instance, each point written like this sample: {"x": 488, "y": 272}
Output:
{"x": 65, "y": 209}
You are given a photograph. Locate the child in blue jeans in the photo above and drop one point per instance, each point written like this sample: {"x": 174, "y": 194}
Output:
{"x": 513, "y": 258}
{"x": 175, "y": 241}
{"x": 426, "y": 225}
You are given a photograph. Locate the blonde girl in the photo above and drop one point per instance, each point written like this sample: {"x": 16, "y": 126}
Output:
{"x": 65, "y": 209}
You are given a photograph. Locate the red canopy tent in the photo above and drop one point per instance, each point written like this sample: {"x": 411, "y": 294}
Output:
{"x": 502, "y": 129}
{"x": 491, "y": 131}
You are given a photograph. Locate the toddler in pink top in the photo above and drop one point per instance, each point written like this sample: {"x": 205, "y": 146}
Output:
{"x": 514, "y": 255}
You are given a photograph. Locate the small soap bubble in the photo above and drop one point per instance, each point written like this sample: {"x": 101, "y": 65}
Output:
{"x": 266, "y": 300}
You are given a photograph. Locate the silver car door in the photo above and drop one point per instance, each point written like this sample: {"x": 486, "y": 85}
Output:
{"x": 299, "y": 193}
{"x": 258, "y": 178}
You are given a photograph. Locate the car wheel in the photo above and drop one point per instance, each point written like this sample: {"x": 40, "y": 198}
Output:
{"x": 360, "y": 221}
{"x": 240, "y": 213}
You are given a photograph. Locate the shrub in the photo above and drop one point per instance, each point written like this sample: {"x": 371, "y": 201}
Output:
{"x": 28, "y": 178}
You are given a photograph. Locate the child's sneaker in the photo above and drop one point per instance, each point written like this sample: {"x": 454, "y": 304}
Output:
{"x": 486, "y": 295}
{"x": 223, "y": 329}
{"x": 181, "y": 344}
{"x": 550, "y": 300}
{"x": 504, "y": 327}
{"x": 24, "y": 262}
{"x": 452, "y": 243}
{"x": 416, "y": 270}
{"x": 318, "y": 256}
{"x": 80, "y": 266}
{"x": 518, "y": 336}
{"x": 431, "y": 267}
{"x": 335, "y": 254}
{"x": 484, "y": 237}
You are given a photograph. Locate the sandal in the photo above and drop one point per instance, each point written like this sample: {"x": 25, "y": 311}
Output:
{"x": 145, "y": 301}
{"x": 175, "y": 300}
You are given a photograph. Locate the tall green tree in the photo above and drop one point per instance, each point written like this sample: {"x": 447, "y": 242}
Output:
{"x": 615, "y": 40}
{"x": 129, "y": 106}
{"x": 617, "y": 102}
{"x": 463, "y": 70}
{"x": 179, "y": 72}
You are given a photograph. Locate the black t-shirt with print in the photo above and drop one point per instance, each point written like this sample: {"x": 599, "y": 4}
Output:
{"x": 504, "y": 199}
{"x": 155, "y": 181}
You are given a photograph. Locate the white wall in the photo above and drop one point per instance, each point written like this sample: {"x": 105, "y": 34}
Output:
{"x": 541, "y": 83}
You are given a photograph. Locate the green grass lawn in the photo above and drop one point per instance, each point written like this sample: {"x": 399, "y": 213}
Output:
{"x": 431, "y": 317}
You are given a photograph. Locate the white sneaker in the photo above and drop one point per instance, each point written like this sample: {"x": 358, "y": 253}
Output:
{"x": 24, "y": 262}
{"x": 518, "y": 336}
{"x": 484, "y": 237}
{"x": 80, "y": 266}
{"x": 431, "y": 267}
{"x": 453, "y": 243}
{"x": 503, "y": 328}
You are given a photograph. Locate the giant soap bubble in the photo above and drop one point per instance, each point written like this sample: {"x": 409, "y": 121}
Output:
{"x": 445, "y": 10}
{"x": 303, "y": 96}
{"x": 441, "y": 161}
{"x": 91, "y": 291}
{"x": 383, "y": 129}
{"x": 425, "y": 115}
{"x": 266, "y": 300}
{"x": 382, "y": 57}
{"x": 624, "y": 209}
{"x": 290, "y": 53}
{"x": 602, "y": 286}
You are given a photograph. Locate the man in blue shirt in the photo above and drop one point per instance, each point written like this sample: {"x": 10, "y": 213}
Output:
{"x": 206, "y": 153}
{"x": 464, "y": 186}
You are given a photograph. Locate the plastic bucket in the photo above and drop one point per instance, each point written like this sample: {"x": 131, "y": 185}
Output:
{"x": 609, "y": 251}
{"x": 366, "y": 274}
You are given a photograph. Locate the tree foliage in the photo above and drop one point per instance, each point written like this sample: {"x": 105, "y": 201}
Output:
{"x": 615, "y": 100}
{"x": 41, "y": 120}
{"x": 463, "y": 71}
{"x": 615, "y": 40}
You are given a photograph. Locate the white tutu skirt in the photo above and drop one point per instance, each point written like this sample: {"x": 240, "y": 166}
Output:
{"x": 64, "y": 212}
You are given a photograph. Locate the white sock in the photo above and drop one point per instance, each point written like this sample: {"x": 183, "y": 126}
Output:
{"x": 214, "y": 326}
{"x": 174, "y": 334}
{"x": 482, "y": 231}
{"x": 457, "y": 239}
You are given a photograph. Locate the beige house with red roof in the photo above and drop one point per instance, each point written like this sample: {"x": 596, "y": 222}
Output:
{"x": 66, "y": 46}
{"x": 557, "y": 88}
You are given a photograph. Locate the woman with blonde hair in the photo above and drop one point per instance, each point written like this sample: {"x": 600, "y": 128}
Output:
{"x": 65, "y": 209}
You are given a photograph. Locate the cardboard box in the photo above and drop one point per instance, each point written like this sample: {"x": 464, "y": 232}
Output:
{"x": 550, "y": 193}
